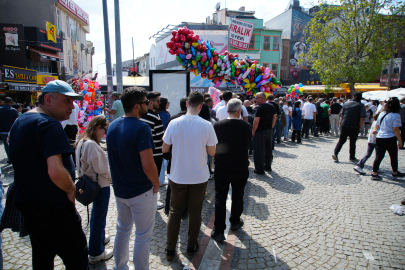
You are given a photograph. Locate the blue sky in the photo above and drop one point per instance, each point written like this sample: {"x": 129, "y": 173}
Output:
{"x": 141, "y": 19}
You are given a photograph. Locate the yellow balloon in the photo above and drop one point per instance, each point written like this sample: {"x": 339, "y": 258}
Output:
{"x": 235, "y": 62}
{"x": 195, "y": 45}
{"x": 247, "y": 85}
{"x": 193, "y": 62}
{"x": 252, "y": 85}
{"x": 196, "y": 72}
{"x": 215, "y": 66}
{"x": 246, "y": 80}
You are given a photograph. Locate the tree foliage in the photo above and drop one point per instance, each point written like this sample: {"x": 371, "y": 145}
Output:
{"x": 350, "y": 40}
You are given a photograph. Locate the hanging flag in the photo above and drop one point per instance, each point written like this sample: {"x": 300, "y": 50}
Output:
{"x": 51, "y": 31}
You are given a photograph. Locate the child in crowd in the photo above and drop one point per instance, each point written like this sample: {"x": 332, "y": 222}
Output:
{"x": 296, "y": 122}
{"x": 370, "y": 148}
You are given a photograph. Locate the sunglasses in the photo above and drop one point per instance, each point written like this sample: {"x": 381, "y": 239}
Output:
{"x": 144, "y": 102}
{"x": 104, "y": 129}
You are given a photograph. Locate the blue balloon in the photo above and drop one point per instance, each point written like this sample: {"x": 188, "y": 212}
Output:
{"x": 182, "y": 56}
{"x": 96, "y": 92}
{"x": 208, "y": 55}
{"x": 84, "y": 92}
{"x": 301, "y": 85}
{"x": 258, "y": 78}
{"x": 297, "y": 91}
{"x": 192, "y": 51}
{"x": 199, "y": 67}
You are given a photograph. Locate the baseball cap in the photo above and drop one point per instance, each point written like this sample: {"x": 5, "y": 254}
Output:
{"x": 61, "y": 87}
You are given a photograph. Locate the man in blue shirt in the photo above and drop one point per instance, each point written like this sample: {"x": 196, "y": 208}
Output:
{"x": 45, "y": 191}
{"x": 7, "y": 117}
{"x": 135, "y": 179}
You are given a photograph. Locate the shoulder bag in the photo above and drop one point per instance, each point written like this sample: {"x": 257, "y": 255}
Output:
{"x": 86, "y": 189}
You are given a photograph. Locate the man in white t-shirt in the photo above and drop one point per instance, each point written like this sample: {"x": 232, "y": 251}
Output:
{"x": 222, "y": 112}
{"x": 309, "y": 112}
{"x": 192, "y": 138}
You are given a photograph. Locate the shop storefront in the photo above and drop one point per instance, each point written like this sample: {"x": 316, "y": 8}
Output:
{"x": 19, "y": 83}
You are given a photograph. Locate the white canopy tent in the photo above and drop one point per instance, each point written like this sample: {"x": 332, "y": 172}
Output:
{"x": 384, "y": 95}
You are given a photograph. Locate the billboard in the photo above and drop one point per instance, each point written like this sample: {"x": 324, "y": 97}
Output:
{"x": 240, "y": 33}
{"x": 12, "y": 45}
{"x": 299, "y": 46}
{"x": 395, "y": 72}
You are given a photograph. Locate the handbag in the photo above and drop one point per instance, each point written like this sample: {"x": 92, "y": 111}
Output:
{"x": 86, "y": 189}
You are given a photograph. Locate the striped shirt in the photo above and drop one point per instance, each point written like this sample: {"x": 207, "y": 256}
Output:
{"x": 155, "y": 123}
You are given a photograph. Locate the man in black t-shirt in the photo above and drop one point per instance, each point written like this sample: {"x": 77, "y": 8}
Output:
{"x": 45, "y": 191}
{"x": 231, "y": 167}
{"x": 265, "y": 119}
{"x": 353, "y": 117}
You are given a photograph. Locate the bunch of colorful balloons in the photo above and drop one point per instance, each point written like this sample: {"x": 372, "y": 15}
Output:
{"x": 201, "y": 58}
{"x": 296, "y": 89}
{"x": 92, "y": 103}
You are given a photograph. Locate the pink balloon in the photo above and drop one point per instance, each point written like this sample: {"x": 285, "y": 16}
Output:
{"x": 188, "y": 56}
{"x": 296, "y": 86}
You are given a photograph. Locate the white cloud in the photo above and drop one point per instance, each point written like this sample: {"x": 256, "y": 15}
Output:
{"x": 141, "y": 19}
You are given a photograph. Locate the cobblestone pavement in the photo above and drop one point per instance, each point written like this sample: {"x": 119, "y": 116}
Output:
{"x": 309, "y": 213}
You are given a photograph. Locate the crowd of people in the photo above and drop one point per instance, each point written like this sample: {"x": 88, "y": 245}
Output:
{"x": 145, "y": 143}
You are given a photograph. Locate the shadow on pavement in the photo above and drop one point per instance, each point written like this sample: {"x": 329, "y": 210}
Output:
{"x": 284, "y": 184}
{"x": 280, "y": 154}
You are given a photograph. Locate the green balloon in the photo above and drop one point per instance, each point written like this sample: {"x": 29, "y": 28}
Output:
{"x": 206, "y": 63}
{"x": 212, "y": 50}
{"x": 233, "y": 68}
{"x": 197, "y": 58}
{"x": 217, "y": 70}
{"x": 242, "y": 67}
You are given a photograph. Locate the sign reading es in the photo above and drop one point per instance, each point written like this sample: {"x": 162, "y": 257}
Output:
{"x": 240, "y": 33}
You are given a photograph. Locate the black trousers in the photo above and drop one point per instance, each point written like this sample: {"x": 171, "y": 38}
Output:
{"x": 307, "y": 126}
{"x": 263, "y": 149}
{"x": 325, "y": 125}
{"x": 158, "y": 161}
{"x": 296, "y": 133}
{"x": 383, "y": 145}
{"x": 403, "y": 132}
{"x": 71, "y": 132}
{"x": 56, "y": 232}
{"x": 352, "y": 133}
{"x": 222, "y": 180}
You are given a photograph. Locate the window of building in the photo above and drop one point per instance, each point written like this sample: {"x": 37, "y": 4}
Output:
{"x": 265, "y": 64}
{"x": 266, "y": 43}
{"x": 274, "y": 68}
{"x": 67, "y": 26}
{"x": 69, "y": 59}
{"x": 77, "y": 31}
{"x": 58, "y": 24}
{"x": 252, "y": 43}
{"x": 276, "y": 43}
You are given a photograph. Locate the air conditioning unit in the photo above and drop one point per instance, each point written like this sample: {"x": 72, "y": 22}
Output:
{"x": 82, "y": 46}
{"x": 92, "y": 51}
{"x": 63, "y": 35}
{"x": 86, "y": 51}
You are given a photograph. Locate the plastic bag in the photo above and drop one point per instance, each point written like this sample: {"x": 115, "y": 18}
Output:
{"x": 397, "y": 209}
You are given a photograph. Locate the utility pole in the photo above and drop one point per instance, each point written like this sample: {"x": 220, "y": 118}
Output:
{"x": 107, "y": 55}
{"x": 133, "y": 54}
{"x": 118, "y": 56}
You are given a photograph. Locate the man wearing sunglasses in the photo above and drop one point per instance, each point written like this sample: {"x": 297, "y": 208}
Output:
{"x": 152, "y": 118}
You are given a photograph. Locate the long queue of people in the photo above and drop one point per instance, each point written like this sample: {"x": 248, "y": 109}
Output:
{"x": 143, "y": 142}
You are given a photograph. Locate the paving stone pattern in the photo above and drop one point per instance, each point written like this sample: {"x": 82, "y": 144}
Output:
{"x": 309, "y": 213}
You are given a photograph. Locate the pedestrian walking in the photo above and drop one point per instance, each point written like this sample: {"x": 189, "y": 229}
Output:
{"x": 324, "y": 128}
{"x": 370, "y": 147}
{"x": 334, "y": 112}
{"x": 309, "y": 112}
{"x": 152, "y": 118}
{"x": 353, "y": 117}
{"x": 297, "y": 122}
{"x": 135, "y": 179}
{"x": 164, "y": 116}
{"x": 231, "y": 167}
{"x": 7, "y": 117}
{"x": 70, "y": 127}
{"x": 92, "y": 162}
{"x": 265, "y": 119}
{"x": 46, "y": 198}
{"x": 191, "y": 138}
{"x": 319, "y": 119}
{"x": 389, "y": 125}
{"x": 287, "y": 112}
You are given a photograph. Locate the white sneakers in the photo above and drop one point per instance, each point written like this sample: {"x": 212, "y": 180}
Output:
{"x": 106, "y": 255}
{"x": 359, "y": 170}
{"x": 107, "y": 239}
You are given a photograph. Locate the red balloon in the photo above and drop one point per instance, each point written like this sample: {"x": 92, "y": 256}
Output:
{"x": 237, "y": 55}
{"x": 252, "y": 78}
{"x": 203, "y": 75}
{"x": 204, "y": 48}
{"x": 174, "y": 32}
{"x": 194, "y": 39}
{"x": 191, "y": 32}
{"x": 215, "y": 53}
{"x": 199, "y": 47}
{"x": 177, "y": 37}
{"x": 183, "y": 38}
{"x": 169, "y": 45}
{"x": 211, "y": 62}
{"x": 215, "y": 59}
{"x": 178, "y": 45}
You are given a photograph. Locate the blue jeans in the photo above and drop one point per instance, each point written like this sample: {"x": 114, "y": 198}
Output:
{"x": 4, "y": 139}
{"x": 162, "y": 175}
{"x": 98, "y": 222}
{"x": 140, "y": 210}
{"x": 285, "y": 129}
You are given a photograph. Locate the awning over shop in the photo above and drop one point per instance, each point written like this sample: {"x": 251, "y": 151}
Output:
{"x": 127, "y": 81}
{"x": 20, "y": 87}
{"x": 47, "y": 55}
{"x": 365, "y": 87}
{"x": 321, "y": 89}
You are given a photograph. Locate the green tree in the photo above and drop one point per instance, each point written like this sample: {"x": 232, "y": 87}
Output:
{"x": 350, "y": 40}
